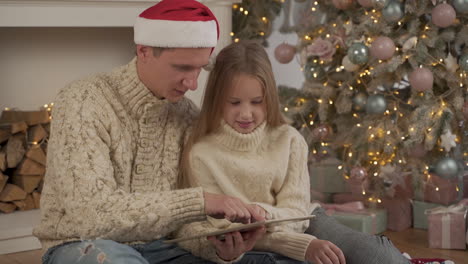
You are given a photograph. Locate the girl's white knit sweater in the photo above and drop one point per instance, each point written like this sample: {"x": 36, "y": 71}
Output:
{"x": 267, "y": 167}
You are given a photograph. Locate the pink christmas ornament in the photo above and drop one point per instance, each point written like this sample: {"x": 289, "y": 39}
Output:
{"x": 382, "y": 48}
{"x": 358, "y": 173}
{"x": 321, "y": 131}
{"x": 342, "y": 4}
{"x": 465, "y": 110}
{"x": 421, "y": 79}
{"x": 284, "y": 53}
{"x": 365, "y": 3}
{"x": 443, "y": 15}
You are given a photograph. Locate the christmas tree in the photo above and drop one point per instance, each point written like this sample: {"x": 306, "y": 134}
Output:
{"x": 386, "y": 90}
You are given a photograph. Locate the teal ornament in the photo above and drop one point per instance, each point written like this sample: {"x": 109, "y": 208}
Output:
{"x": 358, "y": 53}
{"x": 376, "y": 104}
{"x": 463, "y": 62}
{"x": 314, "y": 71}
{"x": 379, "y": 4}
{"x": 393, "y": 11}
{"x": 460, "y": 5}
{"x": 447, "y": 168}
{"x": 359, "y": 102}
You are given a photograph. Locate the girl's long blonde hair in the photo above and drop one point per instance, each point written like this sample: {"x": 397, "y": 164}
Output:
{"x": 243, "y": 57}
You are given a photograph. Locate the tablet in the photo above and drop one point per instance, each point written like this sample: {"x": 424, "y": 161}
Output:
{"x": 242, "y": 227}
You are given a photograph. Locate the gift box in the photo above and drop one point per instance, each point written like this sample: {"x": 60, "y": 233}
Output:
{"x": 326, "y": 177}
{"x": 371, "y": 221}
{"x": 441, "y": 191}
{"x": 419, "y": 216}
{"x": 404, "y": 190}
{"x": 446, "y": 227}
{"x": 320, "y": 196}
{"x": 340, "y": 198}
{"x": 399, "y": 214}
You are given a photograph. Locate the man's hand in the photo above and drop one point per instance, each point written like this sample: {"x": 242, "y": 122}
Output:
{"x": 231, "y": 208}
{"x": 235, "y": 244}
{"x": 324, "y": 252}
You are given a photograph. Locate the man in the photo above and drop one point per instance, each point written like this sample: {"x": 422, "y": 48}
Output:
{"x": 110, "y": 192}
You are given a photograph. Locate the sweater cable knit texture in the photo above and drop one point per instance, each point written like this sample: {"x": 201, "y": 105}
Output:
{"x": 112, "y": 163}
{"x": 267, "y": 167}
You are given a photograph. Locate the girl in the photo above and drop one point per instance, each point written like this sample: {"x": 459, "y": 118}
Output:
{"x": 242, "y": 147}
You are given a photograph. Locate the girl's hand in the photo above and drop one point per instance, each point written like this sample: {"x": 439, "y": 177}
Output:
{"x": 235, "y": 244}
{"x": 258, "y": 212}
{"x": 324, "y": 252}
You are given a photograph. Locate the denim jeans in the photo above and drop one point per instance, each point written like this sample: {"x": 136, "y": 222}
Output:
{"x": 107, "y": 251}
{"x": 358, "y": 247}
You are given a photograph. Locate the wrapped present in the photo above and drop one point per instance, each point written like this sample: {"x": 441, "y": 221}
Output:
{"x": 441, "y": 191}
{"x": 325, "y": 176}
{"x": 371, "y": 221}
{"x": 340, "y": 198}
{"x": 320, "y": 196}
{"x": 419, "y": 216}
{"x": 405, "y": 189}
{"x": 399, "y": 214}
{"x": 447, "y": 227}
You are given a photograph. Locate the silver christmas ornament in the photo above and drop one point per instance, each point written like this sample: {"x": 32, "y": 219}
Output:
{"x": 359, "y": 101}
{"x": 447, "y": 168}
{"x": 358, "y": 53}
{"x": 314, "y": 71}
{"x": 376, "y": 104}
{"x": 393, "y": 11}
{"x": 463, "y": 62}
{"x": 460, "y": 5}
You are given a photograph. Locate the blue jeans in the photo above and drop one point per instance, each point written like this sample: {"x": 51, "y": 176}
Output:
{"x": 156, "y": 252}
{"x": 358, "y": 247}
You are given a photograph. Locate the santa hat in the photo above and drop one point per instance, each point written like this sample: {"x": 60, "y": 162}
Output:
{"x": 177, "y": 24}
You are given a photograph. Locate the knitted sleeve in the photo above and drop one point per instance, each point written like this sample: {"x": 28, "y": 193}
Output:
{"x": 82, "y": 176}
{"x": 293, "y": 200}
{"x": 289, "y": 244}
{"x": 201, "y": 247}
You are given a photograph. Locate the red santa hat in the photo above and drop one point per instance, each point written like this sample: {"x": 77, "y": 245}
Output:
{"x": 177, "y": 24}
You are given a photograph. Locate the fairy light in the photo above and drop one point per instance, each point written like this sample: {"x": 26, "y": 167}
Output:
{"x": 340, "y": 167}
{"x": 7, "y": 109}
{"x": 376, "y": 174}
{"x": 264, "y": 19}
{"x": 232, "y": 34}
{"x": 311, "y": 122}
{"x": 241, "y": 9}
{"x": 262, "y": 33}
{"x": 246, "y": 12}
{"x": 313, "y": 9}
{"x": 286, "y": 109}
{"x": 350, "y": 154}
{"x": 236, "y": 40}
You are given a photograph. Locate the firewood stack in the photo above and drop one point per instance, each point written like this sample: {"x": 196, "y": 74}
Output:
{"x": 23, "y": 147}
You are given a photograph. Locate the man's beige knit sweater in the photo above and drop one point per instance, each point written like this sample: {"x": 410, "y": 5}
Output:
{"x": 113, "y": 161}
{"x": 267, "y": 167}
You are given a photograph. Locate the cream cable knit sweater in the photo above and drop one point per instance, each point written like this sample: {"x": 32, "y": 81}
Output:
{"x": 268, "y": 167}
{"x": 113, "y": 161}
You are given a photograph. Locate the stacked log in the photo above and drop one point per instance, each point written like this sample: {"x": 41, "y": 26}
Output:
{"x": 23, "y": 148}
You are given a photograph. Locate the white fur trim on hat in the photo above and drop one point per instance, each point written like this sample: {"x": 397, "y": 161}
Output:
{"x": 175, "y": 34}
